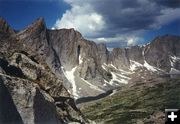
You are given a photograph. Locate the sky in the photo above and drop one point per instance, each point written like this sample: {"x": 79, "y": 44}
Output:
{"x": 118, "y": 23}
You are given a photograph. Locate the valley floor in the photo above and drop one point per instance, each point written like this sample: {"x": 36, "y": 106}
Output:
{"x": 139, "y": 103}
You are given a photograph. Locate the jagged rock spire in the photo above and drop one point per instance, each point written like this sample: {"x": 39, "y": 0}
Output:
{"x": 4, "y": 27}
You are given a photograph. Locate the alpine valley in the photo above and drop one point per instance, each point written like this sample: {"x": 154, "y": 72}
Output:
{"x": 58, "y": 77}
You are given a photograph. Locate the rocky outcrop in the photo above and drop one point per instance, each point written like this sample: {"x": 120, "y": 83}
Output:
{"x": 161, "y": 51}
{"x": 29, "y": 104}
{"x": 5, "y": 28}
{"x": 119, "y": 58}
{"x": 43, "y": 88}
{"x": 103, "y": 53}
{"x": 135, "y": 53}
{"x": 35, "y": 94}
{"x": 8, "y": 113}
{"x": 65, "y": 45}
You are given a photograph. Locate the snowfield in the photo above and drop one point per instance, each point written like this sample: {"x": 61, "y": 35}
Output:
{"x": 134, "y": 65}
{"x": 93, "y": 86}
{"x": 149, "y": 67}
{"x": 71, "y": 78}
{"x": 115, "y": 78}
{"x": 80, "y": 59}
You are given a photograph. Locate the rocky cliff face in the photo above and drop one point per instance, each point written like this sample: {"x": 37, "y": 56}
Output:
{"x": 56, "y": 66}
{"x": 30, "y": 91}
{"x": 25, "y": 102}
{"x": 164, "y": 52}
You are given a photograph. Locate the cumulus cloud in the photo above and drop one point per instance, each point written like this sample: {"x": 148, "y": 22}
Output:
{"x": 119, "y": 40}
{"x": 120, "y": 21}
{"x": 82, "y": 18}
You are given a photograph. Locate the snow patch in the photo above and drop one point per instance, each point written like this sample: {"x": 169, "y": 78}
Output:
{"x": 113, "y": 92}
{"x": 125, "y": 77}
{"x": 143, "y": 52}
{"x": 104, "y": 68}
{"x": 142, "y": 77}
{"x": 113, "y": 66}
{"x": 71, "y": 78}
{"x": 105, "y": 81}
{"x": 123, "y": 81}
{"x": 104, "y": 84}
{"x": 174, "y": 71}
{"x": 173, "y": 59}
{"x": 123, "y": 71}
{"x": 93, "y": 86}
{"x": 69, "y": 91}
{"x": 115, "y": 78}
{"x": 80, "y": 59}
{"x": 149, "y": 67}
{"x": 110, "y": 49}
{"x": 171, "y": 62}
{"x": 134, "y": 65}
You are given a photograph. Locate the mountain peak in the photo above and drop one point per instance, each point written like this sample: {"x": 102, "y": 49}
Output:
{"x": 34, "y": 28}
{"x": 38, "y": 23}
{"x": 4, "y": 27}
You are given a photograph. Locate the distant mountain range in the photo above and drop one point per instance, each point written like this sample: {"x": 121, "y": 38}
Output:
{"x": 42, "y": 70}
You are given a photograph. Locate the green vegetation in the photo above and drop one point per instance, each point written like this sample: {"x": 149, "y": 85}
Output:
{"x": 136, "y": 103}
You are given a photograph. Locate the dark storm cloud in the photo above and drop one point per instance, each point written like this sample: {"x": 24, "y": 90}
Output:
{"x": 120, "y": 18}
{"x": 168, "y": 3}
{"x": 130, "y": 15}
